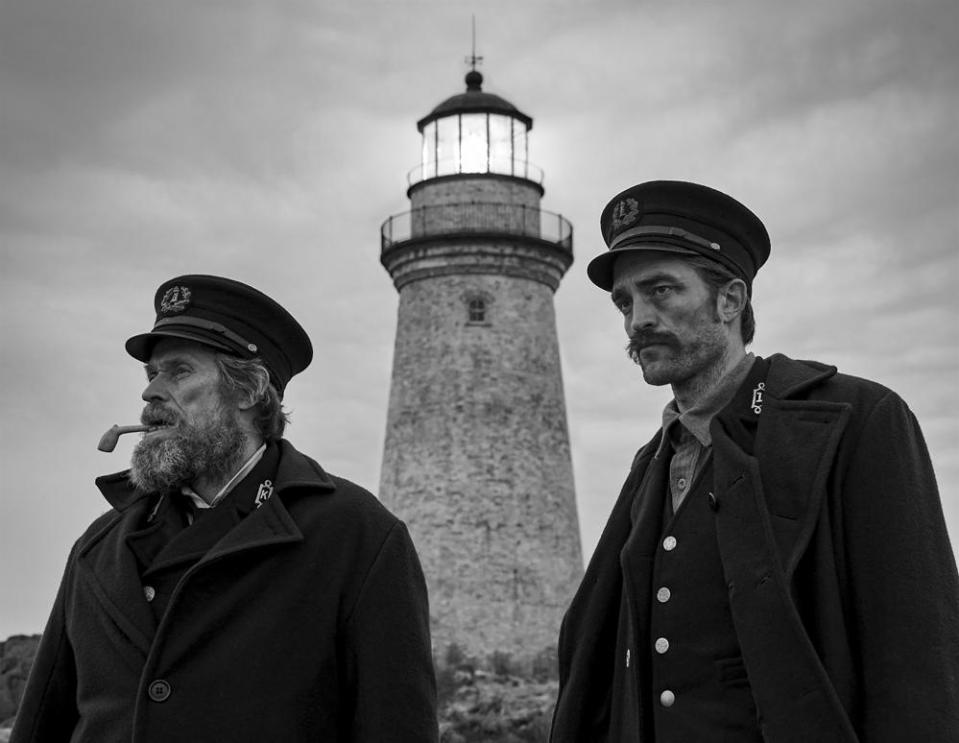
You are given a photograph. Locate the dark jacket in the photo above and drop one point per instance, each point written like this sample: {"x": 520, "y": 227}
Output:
{"x": 842, "y": 583}
{"x": 307, "y": 622}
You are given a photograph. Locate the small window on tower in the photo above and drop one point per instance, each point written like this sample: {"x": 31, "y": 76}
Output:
{"x": 477, "y": 310}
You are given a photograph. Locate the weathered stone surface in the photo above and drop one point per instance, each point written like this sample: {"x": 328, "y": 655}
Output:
{"x": 16, "y": 657}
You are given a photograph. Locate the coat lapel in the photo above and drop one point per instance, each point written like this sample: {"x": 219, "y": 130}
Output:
{"x": 767, "y": 507}
{"x": 267, "y": 526}
{"x": 270, "y": 522}
{"x": 796, "y": 447}
{"x": 108, "y": 567}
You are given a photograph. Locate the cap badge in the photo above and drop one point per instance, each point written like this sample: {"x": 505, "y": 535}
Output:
{"x": 625, "y": 213}
{"x": 175, "y": 299}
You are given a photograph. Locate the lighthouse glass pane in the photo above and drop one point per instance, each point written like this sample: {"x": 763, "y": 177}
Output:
{"x": 500, "y": 144}
{"x": 520, "y": 152}
{"x": 429, "y": 150}
{"x": 474, "y": 153}
{"x": 447, "y": 145}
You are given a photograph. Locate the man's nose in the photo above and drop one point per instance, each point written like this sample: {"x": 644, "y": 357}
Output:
{"x": 155, "y": 390}
{"x": 641, "y": 316}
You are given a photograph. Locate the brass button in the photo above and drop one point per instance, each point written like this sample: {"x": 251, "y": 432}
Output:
{"x": 149, "y": 593}
{"x": 663, "y": 594}
{"x": 669, "y": 543}
{"x": 662, "y": 645}
{"x": 667, "y": 698}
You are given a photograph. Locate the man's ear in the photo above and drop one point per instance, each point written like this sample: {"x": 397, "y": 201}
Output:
{"x": 731, "y": 300}
{"x": 245, "y": 402}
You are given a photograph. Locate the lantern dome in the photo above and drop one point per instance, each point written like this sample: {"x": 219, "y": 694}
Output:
{"x": 474, "y": 100}
{"x": 475, "y": 133}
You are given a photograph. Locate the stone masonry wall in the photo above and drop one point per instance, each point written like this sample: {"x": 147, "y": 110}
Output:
{"x": 475, "y": 188}
{"x": 477, "y": 461}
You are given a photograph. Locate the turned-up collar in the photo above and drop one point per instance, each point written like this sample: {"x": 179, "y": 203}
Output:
{"x": 200, "y": 503}
{"x": 295, "y": 470}
{"x": 696, "y": 420}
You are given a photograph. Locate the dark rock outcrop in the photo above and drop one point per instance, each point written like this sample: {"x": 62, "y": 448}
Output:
{"x": 16, "y": 657}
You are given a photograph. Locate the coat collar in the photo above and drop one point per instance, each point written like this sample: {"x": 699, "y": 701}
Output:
{"x": 109, "y": 568}
{"x": 295, "y": 470}
{"x": 789, "y": 378}
{"x": 789, "y": 438}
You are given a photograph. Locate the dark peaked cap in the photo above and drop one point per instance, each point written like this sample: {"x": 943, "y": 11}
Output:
{"x": 680, "y": 217}
{"x": 230, "y": 317}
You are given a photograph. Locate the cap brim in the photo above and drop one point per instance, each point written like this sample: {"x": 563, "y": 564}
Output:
{"x": 600, "y": 269}
{"x": 141, "y": 346}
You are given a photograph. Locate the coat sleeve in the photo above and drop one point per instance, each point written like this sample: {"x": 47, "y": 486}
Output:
{"x": 389, "y": 658}
{"x": 903, "y": 583}
{"x": 48, "y": 710}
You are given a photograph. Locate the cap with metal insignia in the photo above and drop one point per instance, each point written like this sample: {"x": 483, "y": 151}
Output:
{"x": 231, "y": 317}
{"x": 680, "y": 217}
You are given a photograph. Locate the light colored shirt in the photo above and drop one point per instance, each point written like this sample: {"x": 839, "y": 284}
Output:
{"x": 688, "y": 432}
{"x": 198, "y": 501}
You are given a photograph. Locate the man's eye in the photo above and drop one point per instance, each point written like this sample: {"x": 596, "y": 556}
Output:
{"x": 662, "y": 290}
{"x": 622, "y": 305}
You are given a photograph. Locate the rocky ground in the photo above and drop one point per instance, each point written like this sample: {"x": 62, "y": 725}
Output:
{"x": 16, "y": 656}
{"x": 495, "y": 700}
{"x": 498, "y": 710}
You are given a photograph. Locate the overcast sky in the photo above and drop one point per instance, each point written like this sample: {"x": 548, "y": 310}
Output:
{"x": 267, "y": 141}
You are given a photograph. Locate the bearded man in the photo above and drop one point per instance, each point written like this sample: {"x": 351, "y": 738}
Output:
{"x": 236, "y": 591}
{"x": 777, "y": 566}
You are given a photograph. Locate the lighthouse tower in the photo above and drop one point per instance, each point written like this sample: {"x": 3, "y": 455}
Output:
{"x": 477, "y": 458}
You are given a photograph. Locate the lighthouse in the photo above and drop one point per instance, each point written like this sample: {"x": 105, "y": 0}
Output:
{"x": 476, "y": 458}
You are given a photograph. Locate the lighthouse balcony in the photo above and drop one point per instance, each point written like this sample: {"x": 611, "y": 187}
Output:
{"x": 465, "y": 220}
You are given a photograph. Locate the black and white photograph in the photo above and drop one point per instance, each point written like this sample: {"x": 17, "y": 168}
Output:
{"x": 524, "y": 372}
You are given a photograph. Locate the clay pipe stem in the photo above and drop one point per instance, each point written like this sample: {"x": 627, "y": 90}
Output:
{"x": 108, "y": 441}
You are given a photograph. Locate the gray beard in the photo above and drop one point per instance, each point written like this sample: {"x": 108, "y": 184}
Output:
{"x": 211, "y": 448}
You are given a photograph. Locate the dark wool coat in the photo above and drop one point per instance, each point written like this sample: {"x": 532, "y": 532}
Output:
{"x": 307, "y": 622}
{"x": 842, "y": 583}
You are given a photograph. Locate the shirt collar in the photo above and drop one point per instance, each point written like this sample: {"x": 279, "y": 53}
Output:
{"x": 696, "y": 420}
{"x": 250, "y": 463}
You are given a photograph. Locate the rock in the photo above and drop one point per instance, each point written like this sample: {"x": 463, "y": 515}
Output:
{"x": 16, "y": 657}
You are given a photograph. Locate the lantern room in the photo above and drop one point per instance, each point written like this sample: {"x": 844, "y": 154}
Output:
{"x": 475, "y": 132}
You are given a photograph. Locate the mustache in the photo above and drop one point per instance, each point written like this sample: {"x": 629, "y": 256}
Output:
{"x": 157, "y": 415}
{"x": 638, "y": 341}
